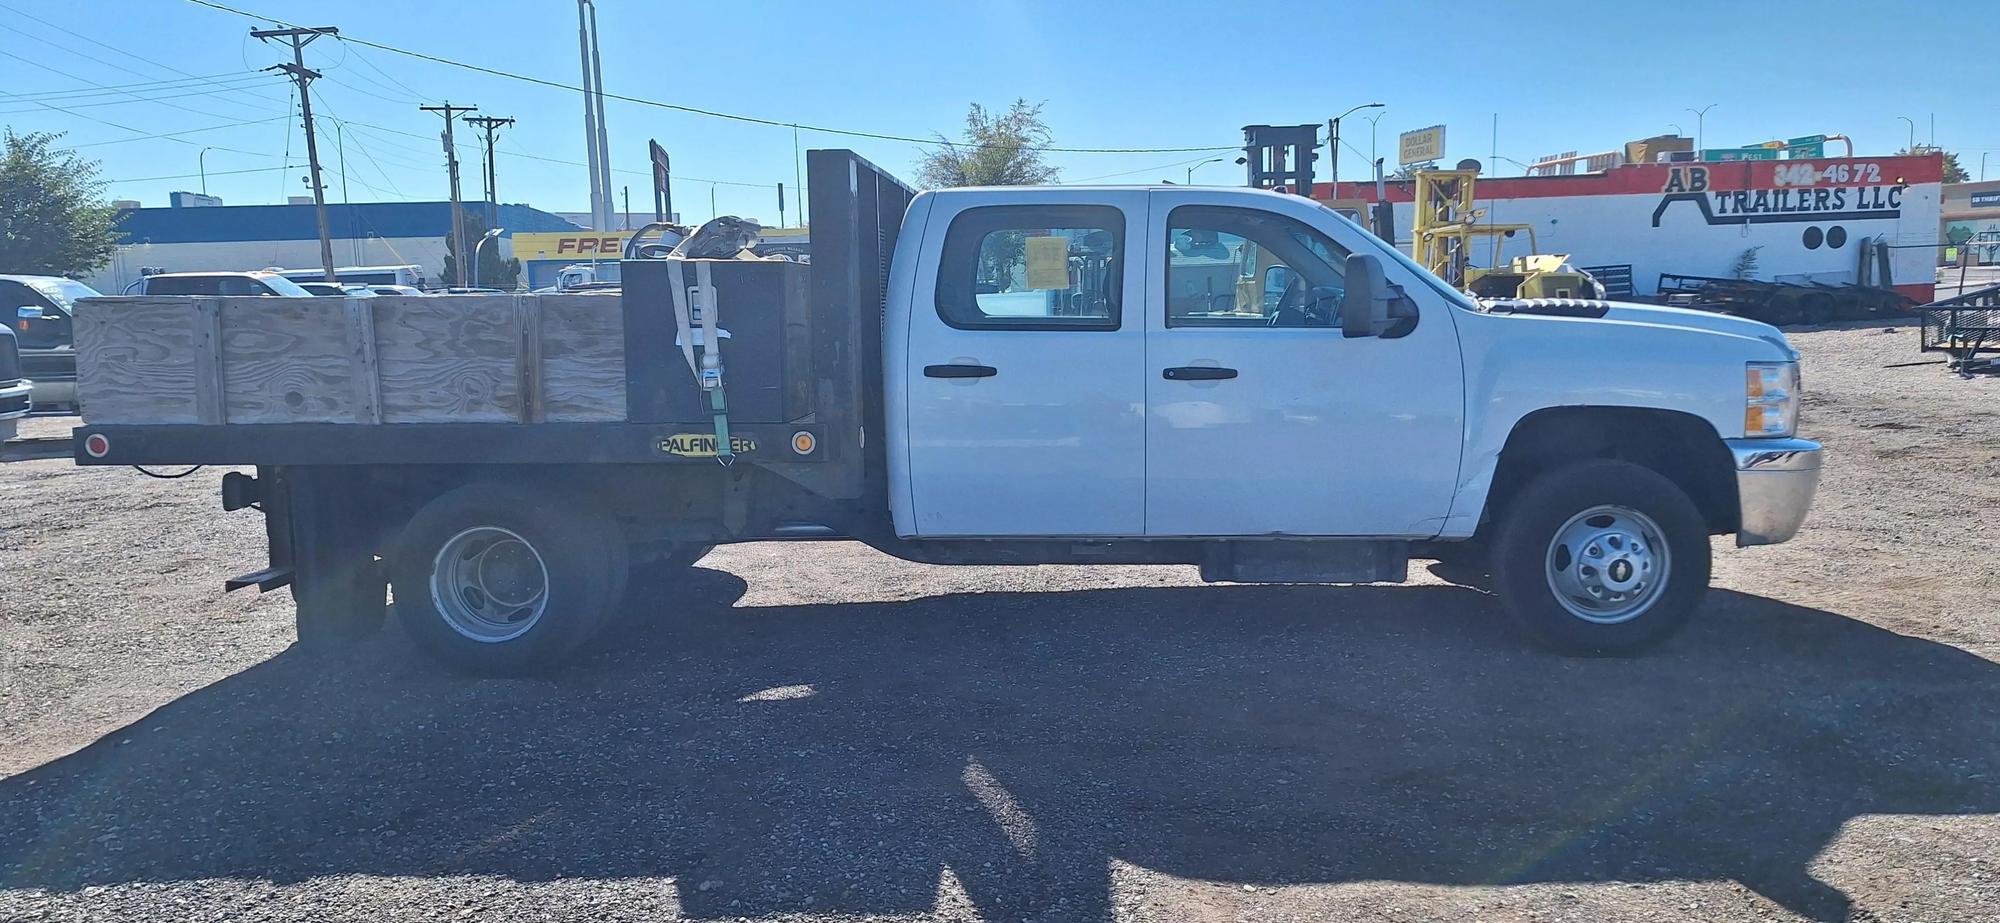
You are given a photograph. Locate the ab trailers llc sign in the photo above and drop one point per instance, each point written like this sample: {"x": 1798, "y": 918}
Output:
{"x": 1762, "y": 192}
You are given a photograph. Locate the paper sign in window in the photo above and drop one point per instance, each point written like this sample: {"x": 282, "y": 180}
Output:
{"x": 1048, "y": 262}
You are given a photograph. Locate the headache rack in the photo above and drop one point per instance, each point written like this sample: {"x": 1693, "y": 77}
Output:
{"x": 1963, "y": 327}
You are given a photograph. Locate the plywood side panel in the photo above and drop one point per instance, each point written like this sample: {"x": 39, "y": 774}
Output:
{"x": 135, "y": 360}
{"x": 447, "y": 359}
{"x": 583, "y": 358}
{"x": 287, "y": 360}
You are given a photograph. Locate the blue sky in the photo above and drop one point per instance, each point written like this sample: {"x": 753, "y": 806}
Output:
{"x": 1159, "y": 75}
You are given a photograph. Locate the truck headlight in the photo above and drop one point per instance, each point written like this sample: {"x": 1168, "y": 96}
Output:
{"x": 1771, "y": 398}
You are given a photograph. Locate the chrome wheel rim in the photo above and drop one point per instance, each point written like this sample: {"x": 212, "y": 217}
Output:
{"x": 489, "y": 584}
{"x": 1608, "y": 564}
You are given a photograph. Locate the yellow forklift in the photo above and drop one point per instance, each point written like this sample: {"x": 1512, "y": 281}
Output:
{"x": 1444, "y": 230}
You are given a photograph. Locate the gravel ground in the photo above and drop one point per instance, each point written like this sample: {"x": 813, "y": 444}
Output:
{"x": 815, "y": 732}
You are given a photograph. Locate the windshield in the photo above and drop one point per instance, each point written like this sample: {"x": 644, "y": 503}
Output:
{"x": 64, "y": 292}
{"x": 283, "y": 286}
{"x": 1451, "y": 294}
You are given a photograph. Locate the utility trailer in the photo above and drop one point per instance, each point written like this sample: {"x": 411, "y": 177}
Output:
{"x": 1966, "y": 328}
{"x": 1230, "y": 378}
{"x": 1780, "y": 302}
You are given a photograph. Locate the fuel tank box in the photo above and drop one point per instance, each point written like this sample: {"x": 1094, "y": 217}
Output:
{"x": 767, "y": 343}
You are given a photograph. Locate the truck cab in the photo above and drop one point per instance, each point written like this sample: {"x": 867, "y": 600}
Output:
{"x": 1195, "y": 364}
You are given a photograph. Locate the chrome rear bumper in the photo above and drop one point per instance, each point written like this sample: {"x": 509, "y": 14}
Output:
{"x": 15, "y": 402}
{"x": 1775, "y": 482}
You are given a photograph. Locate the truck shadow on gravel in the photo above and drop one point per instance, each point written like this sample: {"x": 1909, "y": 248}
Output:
{"x": 841, "y": 757}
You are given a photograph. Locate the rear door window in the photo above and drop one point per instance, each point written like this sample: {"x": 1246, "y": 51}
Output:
{"x": 1033, "y": 267}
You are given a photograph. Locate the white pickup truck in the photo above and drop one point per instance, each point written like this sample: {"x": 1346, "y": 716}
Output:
{"x": 1232, "y": 378}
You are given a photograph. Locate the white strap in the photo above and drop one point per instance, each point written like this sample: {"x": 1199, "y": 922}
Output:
{"x": 683, "y": 329}
{"x": 710, "y": 373}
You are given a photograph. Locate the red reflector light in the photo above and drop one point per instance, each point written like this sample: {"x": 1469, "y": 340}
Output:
{"x": 96, "y": 446}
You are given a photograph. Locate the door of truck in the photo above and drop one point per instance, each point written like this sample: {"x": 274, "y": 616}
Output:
{"x": 1262, "y": 419}
{"x": 1025, "y": 367}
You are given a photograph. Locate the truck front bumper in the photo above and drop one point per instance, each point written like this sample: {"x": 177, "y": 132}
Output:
{"x": 1775, "y": 481}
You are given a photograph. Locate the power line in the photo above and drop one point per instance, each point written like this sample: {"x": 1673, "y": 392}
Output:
{"x": 117, "y": 89}
{"x": 130, "y": 100}
{"x": 385, "y": 74}
{"x": 1164, "y": 166}
{"x": 151, "y": 179}
{"x": 89, "y": 57}
{"x": 213, "y": 115}
{"x": 710, "y": 112}
{"x": 188, "y": 131}
{"x": 116, "y": 125}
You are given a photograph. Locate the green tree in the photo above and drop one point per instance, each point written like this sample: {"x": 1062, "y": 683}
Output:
{"x": 1954, "y": 172}
{"x": 998, "y": 150}
{"x": 53, "y": 221}
{"x": 494, "y": 271}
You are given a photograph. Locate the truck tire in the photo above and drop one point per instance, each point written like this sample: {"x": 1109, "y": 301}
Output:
{"x": 1601, "y": 557}
{"x": 495, "y": 580}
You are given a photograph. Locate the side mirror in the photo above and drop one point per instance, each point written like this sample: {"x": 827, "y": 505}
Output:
{"x": 1371, "y": 305}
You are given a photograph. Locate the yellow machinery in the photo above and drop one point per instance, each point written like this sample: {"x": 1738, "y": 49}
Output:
{"x": 1446, "y": 226}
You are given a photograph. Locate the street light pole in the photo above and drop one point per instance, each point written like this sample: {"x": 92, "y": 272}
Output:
{"x": 1913, "y": 134}
{"x": 1372, "y": 156}
{"x": 1700, "y": 119}
{"x": 492, "y": 234}
{"x": 201, "y": 164}
{"x": 1190, "y": 170}
{"x": 1333, "y": 127}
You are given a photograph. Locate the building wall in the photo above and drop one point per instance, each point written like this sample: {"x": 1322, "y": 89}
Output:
{"x": 1971, "y": 222}
{"x": 1644, "y": 215}
{"x": 126, "y": 261}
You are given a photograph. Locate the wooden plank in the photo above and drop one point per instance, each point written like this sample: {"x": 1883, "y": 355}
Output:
{"x": 135, "y": 360}
{"x": 287, "y": 360}
{"x": 448, "y": 359}
{"x": 583, "y": 358}
{"x": 460, "y": 359}
{"x": 208, "y": 399}
{"x": 361, "y": 352}
{"x": 528, "y": 362}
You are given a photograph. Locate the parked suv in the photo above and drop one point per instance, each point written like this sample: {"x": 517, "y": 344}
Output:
{"x": 221, "y": 283}
{"x": 39, "y": 310}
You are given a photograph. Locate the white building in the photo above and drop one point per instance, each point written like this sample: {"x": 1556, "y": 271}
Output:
{"x": 243, "y": 237}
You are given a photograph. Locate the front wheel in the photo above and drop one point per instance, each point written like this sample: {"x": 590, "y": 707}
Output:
{"x": 1601, "y": 557}
{"x": 496, "y": 580}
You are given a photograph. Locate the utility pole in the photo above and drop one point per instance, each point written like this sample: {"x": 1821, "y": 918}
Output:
{"x": 299, "y": 39}
{"x": 595, "y": 143}
{"x": 450, "y": 112}
{"x": 492, "y": 177}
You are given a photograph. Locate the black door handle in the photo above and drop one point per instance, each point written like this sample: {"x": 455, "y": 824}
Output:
{"x": 1196, "y": 373}
{"x": 960, "y": 371}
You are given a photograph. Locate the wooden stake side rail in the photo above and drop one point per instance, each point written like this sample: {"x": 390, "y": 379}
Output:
{"x": 213, "y": 361}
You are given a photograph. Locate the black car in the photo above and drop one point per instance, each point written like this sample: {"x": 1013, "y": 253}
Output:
{"x": 38, "y": 310}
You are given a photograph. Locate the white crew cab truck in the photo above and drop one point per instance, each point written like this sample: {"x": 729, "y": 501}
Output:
{"x": 1236, "y": 379}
